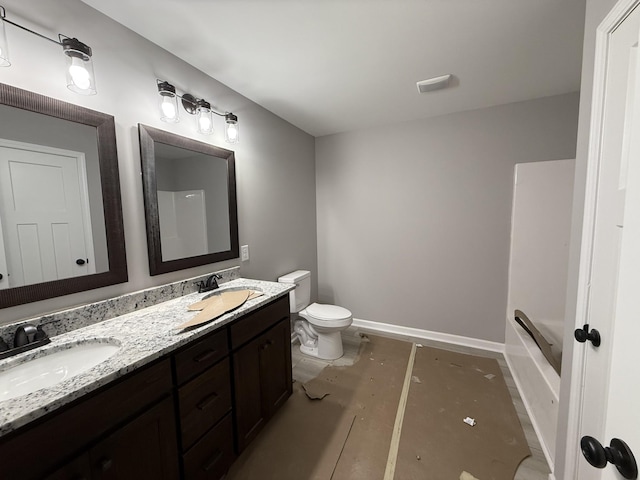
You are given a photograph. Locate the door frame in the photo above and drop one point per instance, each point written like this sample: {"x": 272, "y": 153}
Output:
{"x": 572, "y": 451}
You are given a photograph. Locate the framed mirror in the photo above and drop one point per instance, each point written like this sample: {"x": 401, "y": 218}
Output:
{"x": 61, "y": 228}
{"x": 189, "y": 201}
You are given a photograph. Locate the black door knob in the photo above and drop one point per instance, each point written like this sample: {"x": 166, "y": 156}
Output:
{"x": 583, "y": 334}
{"x": 80, "y": 261}
{"x": 618, "y": 453}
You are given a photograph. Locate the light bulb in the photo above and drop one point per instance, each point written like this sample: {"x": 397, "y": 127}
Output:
{"x": 205, "y": 123}
{"x": 168, "y": 107}
{"x": 79, "y": 74}
{"x": 232, "y": 132}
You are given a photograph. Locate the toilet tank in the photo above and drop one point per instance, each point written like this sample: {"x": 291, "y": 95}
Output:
{"x": 301, "y": 296}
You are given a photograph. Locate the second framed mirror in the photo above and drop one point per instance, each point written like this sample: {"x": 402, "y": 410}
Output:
{"x": 190, "y": 201}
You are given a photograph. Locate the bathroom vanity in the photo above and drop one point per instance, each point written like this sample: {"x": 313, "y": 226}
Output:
{"x": 182, "y": 406}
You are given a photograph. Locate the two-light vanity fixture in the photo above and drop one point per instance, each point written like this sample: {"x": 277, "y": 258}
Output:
{"x": 80, "y": 78}
{"x": 195, "y": 106}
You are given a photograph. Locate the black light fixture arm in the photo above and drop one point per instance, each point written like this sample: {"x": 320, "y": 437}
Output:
{"x": 191, "y": 102}
{"x": 3, "y": 15}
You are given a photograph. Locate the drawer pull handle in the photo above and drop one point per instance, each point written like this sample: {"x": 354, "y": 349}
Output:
{"x": 213, "y": 460}
{"x": 207, "y": 401}
{"x": 266, "y": 344}
{"x": 203, "y": 357}
{"x": 105, "y": 464}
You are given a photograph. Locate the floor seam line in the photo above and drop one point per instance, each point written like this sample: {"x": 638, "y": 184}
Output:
{"x": 397, "y": 427}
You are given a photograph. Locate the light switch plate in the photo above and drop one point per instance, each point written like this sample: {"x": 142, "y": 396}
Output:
{"x": 244, "y": 253}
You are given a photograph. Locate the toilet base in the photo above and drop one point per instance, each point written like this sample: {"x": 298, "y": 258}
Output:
{"x": 329, "y": 347}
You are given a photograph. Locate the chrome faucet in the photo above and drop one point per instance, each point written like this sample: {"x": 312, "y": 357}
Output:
{"x": 209, "y": 284}
{"x": 27, "y": 337}
{"x": 27, "y": 334}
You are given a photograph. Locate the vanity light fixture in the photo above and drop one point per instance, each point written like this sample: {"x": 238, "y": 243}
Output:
{"x": 199, "y": 107}
{"x": 231, "y": 132}
{"x": 168, "y": 102}
{"x": 79, "y": 71}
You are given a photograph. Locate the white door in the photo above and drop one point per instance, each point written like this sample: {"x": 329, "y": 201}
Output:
{"x": 610, "y": 267}
{"x": 45, "y": 215}
{"x": 4, "y": 278}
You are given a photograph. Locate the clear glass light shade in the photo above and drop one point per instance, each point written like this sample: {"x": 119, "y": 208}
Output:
{"x": 205, "y": 120}
{"x": 231, "y": 131}
{"x": 5, "y": 61}
{"x": 80, "y": 78}
{"x": 169, "y": 107}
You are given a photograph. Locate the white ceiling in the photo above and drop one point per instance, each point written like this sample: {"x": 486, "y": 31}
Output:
{"x": 331, "y": 66}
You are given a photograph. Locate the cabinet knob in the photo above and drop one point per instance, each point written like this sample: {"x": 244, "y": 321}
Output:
{"x": 266, "y": 344}
{"x": 105, "y": 464}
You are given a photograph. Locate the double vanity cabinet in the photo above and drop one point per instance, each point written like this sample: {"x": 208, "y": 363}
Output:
{"x": 187, "y": 415}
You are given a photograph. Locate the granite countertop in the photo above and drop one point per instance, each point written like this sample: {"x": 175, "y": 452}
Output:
{"x": 143, "y": 335}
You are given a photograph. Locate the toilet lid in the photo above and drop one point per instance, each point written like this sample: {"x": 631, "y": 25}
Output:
{"x": 328, "y": 312}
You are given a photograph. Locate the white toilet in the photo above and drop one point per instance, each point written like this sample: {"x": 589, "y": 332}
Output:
{"x": 320, "y": 326}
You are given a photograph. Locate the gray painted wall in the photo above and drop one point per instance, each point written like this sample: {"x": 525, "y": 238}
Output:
{"x": 414, "y": 218}
{"x": 274, "y": 161}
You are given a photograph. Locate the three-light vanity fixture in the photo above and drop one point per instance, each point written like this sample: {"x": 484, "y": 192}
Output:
{"x": 195, "y": 106}
{"x": 80, "y": 78}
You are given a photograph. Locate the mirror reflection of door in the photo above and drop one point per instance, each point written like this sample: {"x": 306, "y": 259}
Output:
{"x": 44, "y": 211}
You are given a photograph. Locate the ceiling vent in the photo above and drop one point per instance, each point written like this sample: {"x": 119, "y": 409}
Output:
{"x": 435, "y": 83}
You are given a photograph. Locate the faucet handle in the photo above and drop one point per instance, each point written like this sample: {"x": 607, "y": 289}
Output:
{"x": 40, "y": 334}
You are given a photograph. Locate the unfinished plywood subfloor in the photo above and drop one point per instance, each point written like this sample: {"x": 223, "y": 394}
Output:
{"x": 436, "y": 443}
{"x": 344, "y": 436}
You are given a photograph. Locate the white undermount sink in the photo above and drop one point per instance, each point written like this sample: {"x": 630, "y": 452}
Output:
{"x": 48, "y": 370}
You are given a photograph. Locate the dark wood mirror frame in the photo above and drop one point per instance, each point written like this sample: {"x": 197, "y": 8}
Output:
{"x": 112, "y": 203}
{"x": 148, "y": 137}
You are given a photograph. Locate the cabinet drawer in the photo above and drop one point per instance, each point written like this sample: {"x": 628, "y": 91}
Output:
{"x": 257, "y": 322}
{"x": 210, "y": 458}
{"x": 200, "y": 356}
{"x": 203, "y": 401}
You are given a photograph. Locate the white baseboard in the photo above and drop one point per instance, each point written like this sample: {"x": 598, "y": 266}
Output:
{"x": 429, "y": 335}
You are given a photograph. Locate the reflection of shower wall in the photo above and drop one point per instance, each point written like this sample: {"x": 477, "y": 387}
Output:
{"x": 183, "y": 224}
{"x": 210, "y": 175}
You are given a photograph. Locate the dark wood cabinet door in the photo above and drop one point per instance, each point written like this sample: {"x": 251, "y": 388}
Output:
{"x": 249, "y": 413}
{"x": 275, "y": 367}
{"x": 144, "y": 448}
{"x": 262, "y": 379}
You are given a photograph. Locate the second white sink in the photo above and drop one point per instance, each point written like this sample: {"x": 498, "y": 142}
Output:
{"x": 48, "y": 370}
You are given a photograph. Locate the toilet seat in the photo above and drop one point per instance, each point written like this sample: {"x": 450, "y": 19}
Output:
{"x": 327, "y": 315}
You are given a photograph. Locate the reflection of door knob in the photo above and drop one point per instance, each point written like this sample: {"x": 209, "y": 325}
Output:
{"x": 80, "y": 261}
{"x": 617, "y": 453}
{"x": 583, "y": 334}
